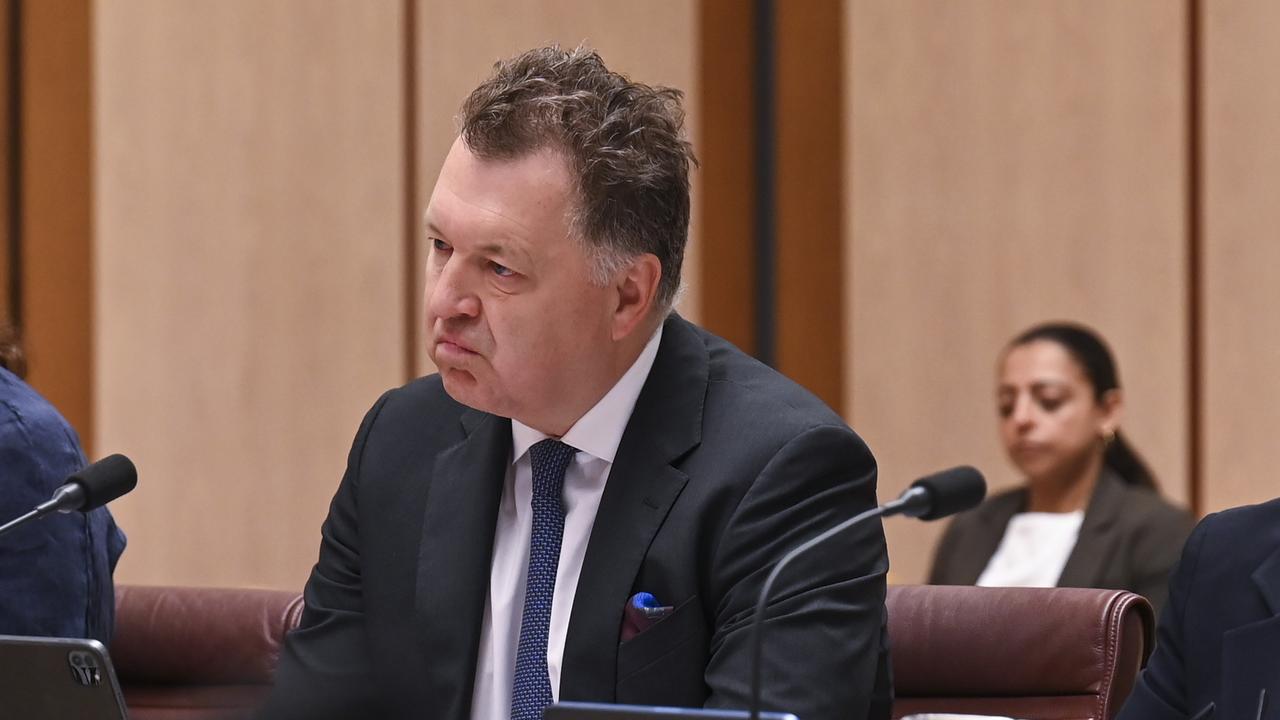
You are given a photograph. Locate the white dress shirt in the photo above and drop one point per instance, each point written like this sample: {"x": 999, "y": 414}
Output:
{"x": 1034, "y": 550}
{"x": 596, "y": 436}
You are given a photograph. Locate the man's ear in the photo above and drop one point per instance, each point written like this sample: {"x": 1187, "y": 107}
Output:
{"x": 636, "y": 290}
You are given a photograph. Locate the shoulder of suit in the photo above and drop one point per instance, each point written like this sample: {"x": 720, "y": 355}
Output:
{"x": 1148, "y": 505}
{"x": 1227, "y": 547}
{"x": 758, "y": 390}
{"x": 998, "y": 507}
{"x": 422, "y": 400}
{"x": 1248, "y": 525}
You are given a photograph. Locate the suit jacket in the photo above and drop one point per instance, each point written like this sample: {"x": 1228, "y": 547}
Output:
{"x": 1129, "y": 540}
{"x": 723, "y": 467}
{"x": 1218, "y": 640}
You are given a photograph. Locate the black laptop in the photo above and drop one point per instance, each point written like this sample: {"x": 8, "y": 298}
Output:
{"x": 57, "y": 679}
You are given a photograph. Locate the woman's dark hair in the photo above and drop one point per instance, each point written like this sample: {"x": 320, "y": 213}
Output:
{"x": 1095, "y": 359}
{"x": 11, "y": 357}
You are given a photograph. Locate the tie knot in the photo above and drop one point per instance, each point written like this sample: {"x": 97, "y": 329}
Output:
{"x": 550, "y": 458}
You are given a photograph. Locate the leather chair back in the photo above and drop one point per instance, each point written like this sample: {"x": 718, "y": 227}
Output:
{"x": 1040, "y": 654}
{"x": 1034, "y": 653}
{"x": 198, "y": 653}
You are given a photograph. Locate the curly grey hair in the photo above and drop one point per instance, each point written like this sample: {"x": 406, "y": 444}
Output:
{"x": 623, "y": 141}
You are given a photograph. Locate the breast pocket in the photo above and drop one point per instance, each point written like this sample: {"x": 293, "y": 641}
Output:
{"x": 665, "y": 664}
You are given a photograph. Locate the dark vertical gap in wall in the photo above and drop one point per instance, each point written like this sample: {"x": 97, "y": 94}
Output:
{"x": 13, "y": 108}
{"x": 765, "y": 211}
{"x": 1195, "y": 229}
{"x": 410, "y": 170}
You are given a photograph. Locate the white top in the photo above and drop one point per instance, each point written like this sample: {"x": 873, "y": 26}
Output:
{"x": 1033, "y": 551}
{"x": 596, "y": 435}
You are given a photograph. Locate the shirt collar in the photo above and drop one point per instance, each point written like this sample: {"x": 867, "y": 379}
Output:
{"x": 599, "y": 432}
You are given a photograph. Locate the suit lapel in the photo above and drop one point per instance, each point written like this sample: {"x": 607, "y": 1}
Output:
{"x": 454, "y": 559}
{"x": 1098, "y": 534}
{"x": 1251, "y": 653}
{"x": 642, "y": 486}
{"x": 1267, "y": 578}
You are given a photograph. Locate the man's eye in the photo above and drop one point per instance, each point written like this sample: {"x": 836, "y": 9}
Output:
{"x": 440, "y": 245}
{"x": 501, "y": 270}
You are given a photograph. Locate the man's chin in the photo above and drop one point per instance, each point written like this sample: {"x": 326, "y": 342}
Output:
{"x": 464, "y": 388}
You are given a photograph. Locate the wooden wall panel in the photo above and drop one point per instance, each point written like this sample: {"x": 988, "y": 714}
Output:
{"x": 57, "y": 284}
{"x": 810, "y": 274}
{"x": 727, "y": 187}
{"x": 249, "y": 286}
{"x": 7, "y": 239}
{"x": 653, "y": 42}
{"x": 1009, "y": 163}
{"x": 1241, "y": 251}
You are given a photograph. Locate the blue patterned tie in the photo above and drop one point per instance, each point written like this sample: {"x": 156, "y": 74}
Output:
{"x": 531, "y": 691}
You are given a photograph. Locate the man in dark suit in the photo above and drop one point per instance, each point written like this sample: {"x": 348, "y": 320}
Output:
{"x": 489, "y": 546}
{"x": 1218, "y": 644}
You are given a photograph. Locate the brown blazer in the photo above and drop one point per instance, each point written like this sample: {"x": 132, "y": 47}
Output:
{"x": 1130, "y": 540}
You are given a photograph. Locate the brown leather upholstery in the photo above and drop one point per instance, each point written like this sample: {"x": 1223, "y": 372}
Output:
{"x": 1040, "y": 654}
{"x": 198, "y": 653}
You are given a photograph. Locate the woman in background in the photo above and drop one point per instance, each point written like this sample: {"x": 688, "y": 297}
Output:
{"x": 1089, "y": 513}
{"x": 55, "y": 573}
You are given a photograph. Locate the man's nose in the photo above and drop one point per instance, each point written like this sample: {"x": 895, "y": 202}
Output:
{"x": 450, "y": 293}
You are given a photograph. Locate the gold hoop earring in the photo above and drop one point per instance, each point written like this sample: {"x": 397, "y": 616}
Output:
{"x": 1108, "y": 436}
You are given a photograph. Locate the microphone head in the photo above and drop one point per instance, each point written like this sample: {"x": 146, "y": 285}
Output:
{"x": 105, "y": 480}
{"x": 948, "y": 492}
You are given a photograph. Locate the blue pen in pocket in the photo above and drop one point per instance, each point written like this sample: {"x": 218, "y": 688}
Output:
{"x": 642, "y": 611}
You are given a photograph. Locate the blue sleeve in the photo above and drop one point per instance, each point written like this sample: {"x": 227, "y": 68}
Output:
{"x": 55, "y": 573}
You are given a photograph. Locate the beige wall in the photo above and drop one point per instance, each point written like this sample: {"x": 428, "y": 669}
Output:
{"x": 1009, "y": 163}
{"x": 249, "y": 298}
{"x": 1241, "y": 251}
{"x": 654, "y": 42}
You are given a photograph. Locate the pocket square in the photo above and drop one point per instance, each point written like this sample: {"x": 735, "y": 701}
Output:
{"x": 642, "y": 611}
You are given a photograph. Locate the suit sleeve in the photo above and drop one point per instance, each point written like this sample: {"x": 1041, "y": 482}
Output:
{"x": 824, "y": 641}
{"x": 324, "y": 665}
{"x": 1161, "y": 690}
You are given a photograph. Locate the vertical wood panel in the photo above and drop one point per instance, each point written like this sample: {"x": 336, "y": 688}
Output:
{"x": 249, "y": 294}
{"x": 652, "y": 42}
{"x": 57, "y": 283}
{"x": 1010, "y": 163}
{"x": 8, "y": 104}
{"x": 727, "y": 176}
{"x": 1241, "y": 251}
{"x": 809, "y": 194}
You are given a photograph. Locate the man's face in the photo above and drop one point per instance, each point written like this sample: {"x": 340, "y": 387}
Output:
{"x": 513, "y": 322}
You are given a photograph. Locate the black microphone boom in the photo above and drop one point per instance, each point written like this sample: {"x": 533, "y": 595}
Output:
{"x": 94, "y": 486}
{"x": 929, "y": 498}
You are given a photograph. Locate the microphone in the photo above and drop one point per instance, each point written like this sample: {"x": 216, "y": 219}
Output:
{"x": 929, "y": 498}
{"x": 941, "y": 494}
{"x": 94, "y": 486}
